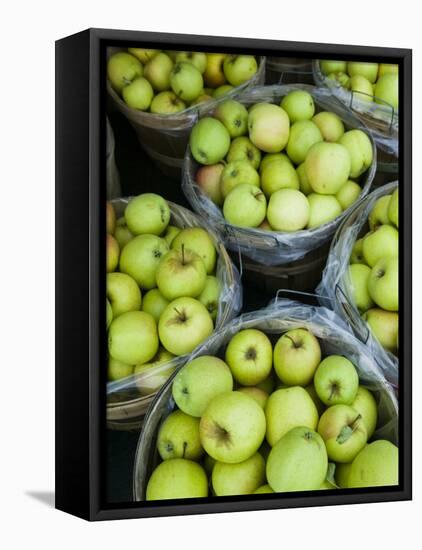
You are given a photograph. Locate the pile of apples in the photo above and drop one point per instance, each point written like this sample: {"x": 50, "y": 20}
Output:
{"x": 370, "y": 82}
{"x": 162, "y": 292}
{"x": 279, "y": 167}
{"x": 374, "y": 272}
{"x": 168, "y": 82}
{"x": 234, "y": 433}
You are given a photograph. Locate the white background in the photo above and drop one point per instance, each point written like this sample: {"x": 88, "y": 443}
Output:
{"x": 27, "y": 259}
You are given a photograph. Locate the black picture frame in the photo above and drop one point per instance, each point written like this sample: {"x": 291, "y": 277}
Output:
{"x": 80, "y": 269}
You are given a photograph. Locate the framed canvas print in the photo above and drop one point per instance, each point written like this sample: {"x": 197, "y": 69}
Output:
{"x": 233, "y": 285}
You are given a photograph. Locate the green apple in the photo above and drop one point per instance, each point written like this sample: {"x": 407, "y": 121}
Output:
{"x": 356, "y": 256}
{"x": 117, "y": 370}
{"x": 288, "y": 408}
{"x": 203, "y": 98}
{"x": 147, "y": 214}
{"x": 299, "y": 105}
{"x": 328, "y": 66}
{"x": 122, "y": 68}
{"x": 271, "y": 157}
{"x": 336, "y": 381}
{"x": 245, "y": 206}
{"x": 379, "y": 213}
{"x": 186, "y": 81}
{"x": 181, "y": 273}
{"x": 235, "y": 173}
{"x": 385, "y": 327}
{"x": 362, "y": 89}
{"x": 208, "y": 180}
{"x": 326, "y": 484}
{"x": 383, "y": 283}
{"x": 138, "y": 94}
{"x": 264, "y": 489}
{"x": 343, "y": 430}
{"x": 342, "y": 475}
{"x": 214, "y": 75}
{"x": 314, "y": 396}
{"x": 376, "y": 465}
{"x": 278, "y": 174}
{"x": 178, "y": 437}
{"x": 298, "y": 462}
{"x": 242, "y": 148}
{"x": 327, "y": 167}
{"x": 393, "y": 208}
{"x": 151, "y": 376}
{"x": 132, "y": 337}
{"x": 288, "y": 210}
{"x": 183, "y": 325}
{"x": 269, "y": 127}
{"x": 387, "y": 68}
{"x": 167, "y": 103}
{"x": 142, "y": 54}
{"x": 171, "y": 233}
{"x": 343, "y": 79}
{"x": 110, "y": 218}
{"x": 197, "y": 59}
{"x": 209, "y": 141}
{"x": 210, "y": 295}
{"x": 242, "y": 478}
{"x": 109, "y": 313}
{"x": 122, "y": 234}
{"x": 348, "y": 194}
{"x": 199, "y": 241}
{"x": 112, "y": 253}
{"x": 330, "y": 125}
{"x": 359, "y": 147}
{"x": 222, "y": 90}
{"x": 368, "y": 70}
{"x": 366, "y": 406}
{"x": 234, "y": 116}
{"x": 158, "y": 70}
{"x": 239, "y": 68}
{"x": 140, "y": 259}
{"x": 297, "y": 354}
{"x": 198, "y": 382}
{"x": 358, "y": 286}
{"x": 232, "y": 427}
{"x": 154, "y": 303}
{"x": 177, "y": 478}
{"x": 249, "y": 355}
{"x": 322, "y": 209}
{"x": 387, "y": 90}
{"x": 256, "y": 393}
{"x": 303, "y": 134}
{"x": 304, "y": 185}
{"x": 268, "y": 384}
{"x": 123, "y": 293}
{"x": 381, "y": 243}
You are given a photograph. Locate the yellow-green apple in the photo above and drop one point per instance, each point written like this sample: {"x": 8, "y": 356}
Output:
{"x": 330, "y": 125}
{"x": 383, "y": 283}
{"x": 133, "y": 338}
{"x": 158, "y": 70}
{"x": 186, "y": 81}
{"x": 213, "y": 74}
{"x": 112, "y": 253}
{"x": 208, "y": 179}
{"x": 178, "y": 437}
{"x": 242, "y": 148}
{"x": 256, "y": 393}
{"x": 359, "y": 147}
{"x": 304, "y": 185}
{"x": 327, "y": 167}
{"x": 379, "y": 213}
{"x": 381, "y": 243}
{"x": 198, "y": 59}
{"x": 376, "y": 465}
{"x": 167, "y": 103}
{"x": 122, "y": 68}
{"x": 183, "y": 325}
{"x": 299, "y": 105}
{"x": 245, "y": 206}
{"x": 235, "y": 173}
{"x": 198, "y": 382}
{"x": 122, "y": 234}
{"x": 328, "y": 66}
{"x": 343, "y": 79}
{"x": 203, "y": 98}
{"x": 387, "y": 90}
{"x": 264, "y": 489}
{"x": 336, "y": 381}
{"x": 366, "y": 406}
{"x": 314, "y": 396}
{"x": 222, "y": 90}
{"x": 109, "y": 313}
{"x": 358, "y": 286}
{"x": 342, "y": 475}
{"x": 210, "y": 295}
{"x": 151, "y": 376}
{"x": 242, "y": 478}
{"x": 288, "y": 210}
{"x": 297, "y": 354}
{"x": 180, "y": 273}
{"x": 154, "y": 303}
{"x": 117, "y": 370}
{"x": 279, "y": 174}
{"x": 298, "y": 462}
{"x": 269, "y": 127}
{"x": 140, "y": 259}
{"x": 249, "y": 355}
{"x": 123, "y": 293}
{"x": 270, "y": 157}
{"x": 288, "y": 408}
{"x": 362, "y": 89}
{"x": 138, "y": 94}
{"x": 147, "y": 214}
{"x": 344, "y": 433}
{"x": 322, "y": 209}
{"x": 110, "y": 218}
{"x": 368, "y": 70}
{"x": 385, "y": 326}
{"x": 239, "y": 68}
{"x": 199, "y": 241}
{"x": 209, "y": 141}
{"x": 265, "y": 226}
{"x": 143, "y": 54}
{"x": 171, "y": 233}
{"x": 393, "y": 208}
{"x": 232, "y": 427}
{"x": 177, "y": 478}
{"x": 387, "y": 68}
{"x": 348, "y": 194}
{"x": 234, "y": 116}
{"x": 356, "y": 257}
{"x": 303, "y": 134}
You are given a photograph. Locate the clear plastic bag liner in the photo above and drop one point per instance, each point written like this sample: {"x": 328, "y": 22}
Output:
{"x": 333, "y": 291}
{"x": 274, "y": 247}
